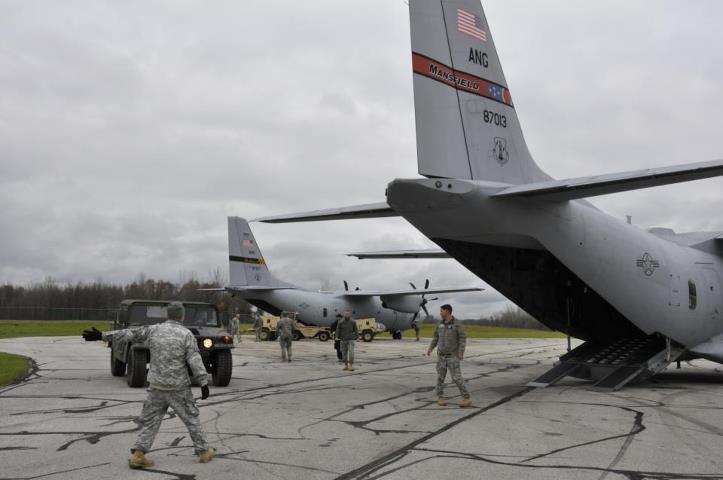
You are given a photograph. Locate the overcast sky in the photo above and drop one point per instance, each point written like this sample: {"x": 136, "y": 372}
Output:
{"x": 130, "y": 130}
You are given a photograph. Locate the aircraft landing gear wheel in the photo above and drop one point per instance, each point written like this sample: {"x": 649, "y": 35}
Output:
{"x": 397, "y": 335}
{"x": 367, "y": 336}
{"x": 323, "y": 336}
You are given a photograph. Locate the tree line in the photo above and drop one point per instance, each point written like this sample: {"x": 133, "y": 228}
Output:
{"x": 53, "y": 300}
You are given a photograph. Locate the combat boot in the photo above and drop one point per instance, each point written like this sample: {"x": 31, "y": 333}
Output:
{"x": 441, "y": 402}
{"x": 139, "y": 460}
{"x": 467, "y": 402}
{"x": 207, "y": 455}
{"x": 351, "y": 367}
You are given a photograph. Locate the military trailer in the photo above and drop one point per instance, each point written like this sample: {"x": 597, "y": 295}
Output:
{"x": 202, "y": 319}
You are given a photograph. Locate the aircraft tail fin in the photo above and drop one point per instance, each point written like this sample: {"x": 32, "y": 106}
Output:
{"x": 467, "y": 126}
{"x": 247, "y": 267}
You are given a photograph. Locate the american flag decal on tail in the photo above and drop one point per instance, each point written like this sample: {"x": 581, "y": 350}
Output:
{"x": 470, "y": 24}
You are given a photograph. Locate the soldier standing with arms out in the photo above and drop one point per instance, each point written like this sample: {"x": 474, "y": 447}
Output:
{"x": 337, "y": 343}
{"x": 285, "y": 329}
{"x": 347, "y": 333}
{"x": 450, "y": 340}
{"x": 173, "y": 349}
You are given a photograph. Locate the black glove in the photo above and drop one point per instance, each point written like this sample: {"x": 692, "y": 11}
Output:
{"x": 92, "y": 335}
{"x": 204, "y": 392}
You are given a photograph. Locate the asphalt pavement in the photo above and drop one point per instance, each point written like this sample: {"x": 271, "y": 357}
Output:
{"x": 310, "y": 420}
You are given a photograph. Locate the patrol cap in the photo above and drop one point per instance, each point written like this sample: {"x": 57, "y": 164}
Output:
{"x": 175, "y": 311}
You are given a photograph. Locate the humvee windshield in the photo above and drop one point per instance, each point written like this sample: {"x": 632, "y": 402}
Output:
{"x": 196, "y": 315}
{"x": 201, "y": 316}
{"x": 146, "y": 314}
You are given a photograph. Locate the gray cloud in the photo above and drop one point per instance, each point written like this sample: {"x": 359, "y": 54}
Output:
{"x": 130, "y": 130}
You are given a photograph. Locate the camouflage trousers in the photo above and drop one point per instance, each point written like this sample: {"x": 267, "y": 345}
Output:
{"x": 154, "y": 409}
{"x": 347, "y": 350}
{"x": 285, "y": 343}
{"x": 451, "y": 363}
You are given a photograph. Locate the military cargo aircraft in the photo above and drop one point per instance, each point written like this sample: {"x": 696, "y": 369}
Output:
{"x": 251, "y": 280}
{"x": 639, "y": 298}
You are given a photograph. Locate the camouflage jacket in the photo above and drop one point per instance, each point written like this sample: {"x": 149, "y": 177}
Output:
{"x": 233, "y": 325}
{"x": 173, "y": 348}
{"x": 449, "y": 338}
{"x": 285, "y": 328}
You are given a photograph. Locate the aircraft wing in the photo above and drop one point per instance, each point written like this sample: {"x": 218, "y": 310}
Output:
{"x": 572, "y": 188}
{"x": 243, "y": 288}
{"x": 369, "y": 210}
{"x": 378, "y": 293}
{"x": 428, "y": 253}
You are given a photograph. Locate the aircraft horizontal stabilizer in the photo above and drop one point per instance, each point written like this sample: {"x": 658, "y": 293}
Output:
{"x": 429, "y": 253}
{"x": 378, "y": 293}
{"x": 369, "y": 210}
{"x": 572, "y": 188}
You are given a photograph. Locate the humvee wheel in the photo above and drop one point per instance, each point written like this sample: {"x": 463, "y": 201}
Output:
{"x": 222, "y": 366}
{"x": 323, "y": 336}
{"x": 264, "y": 334}
{"x": 367, "y": 335}
{"x": 117, "y": 368}
{"x": 136, "y": 371}
{"x": 297, "y": 335}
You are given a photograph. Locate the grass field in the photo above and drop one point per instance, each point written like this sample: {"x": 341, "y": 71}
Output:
{"x": 12, "y": 367}
{"x": 479, "y": 331}
{"x": 39, "y": 328}
{"x": 473, "y": 331}
{"x": 33, "y": 328}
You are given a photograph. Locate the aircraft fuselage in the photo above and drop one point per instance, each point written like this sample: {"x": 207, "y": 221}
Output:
{"x": 320, "y": 308}
{"x": 570, "y": 265}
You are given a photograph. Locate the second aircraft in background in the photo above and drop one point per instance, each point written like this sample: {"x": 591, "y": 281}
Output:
{"x": 251, "y": 280}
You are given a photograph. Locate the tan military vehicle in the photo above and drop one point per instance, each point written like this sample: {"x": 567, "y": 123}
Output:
{"x": 269, "y": 327}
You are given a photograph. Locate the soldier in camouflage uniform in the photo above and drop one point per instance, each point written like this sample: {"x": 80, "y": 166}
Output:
{"x": 233, "y": 326}
{"x": 173, "y": 349}
{"x": 450, "y": 340}
{"x": 285, "y": 329}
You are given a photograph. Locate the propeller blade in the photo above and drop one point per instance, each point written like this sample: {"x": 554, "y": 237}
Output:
{"x": 415, "y": 316}
{"x": 412, "y": 285}
{"x": 426, "y": 312}
{"x": 433, "y": 299}
{"x": 426, "y": 284}
{"x": 346, "y": 286}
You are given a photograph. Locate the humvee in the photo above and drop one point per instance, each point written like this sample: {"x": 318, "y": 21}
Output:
{"x": 202, "y": 319}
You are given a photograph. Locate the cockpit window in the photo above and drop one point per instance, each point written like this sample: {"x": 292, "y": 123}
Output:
{"x": 692, "y": 295}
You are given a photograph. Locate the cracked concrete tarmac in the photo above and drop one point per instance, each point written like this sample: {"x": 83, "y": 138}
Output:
{"x": 309, "y": 420}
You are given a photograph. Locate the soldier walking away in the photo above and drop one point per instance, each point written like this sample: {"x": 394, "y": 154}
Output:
{"x": 450, "y": 340}
{"x": 173, "y": 350}
{"x": 257, "y": 327}
{"x": 285, "y": 329}
{"x": 347, "y": 334}
{"x": 233, "y": 326}
{"x": 337, "y": 343}
{"x": 416, "y": 329}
